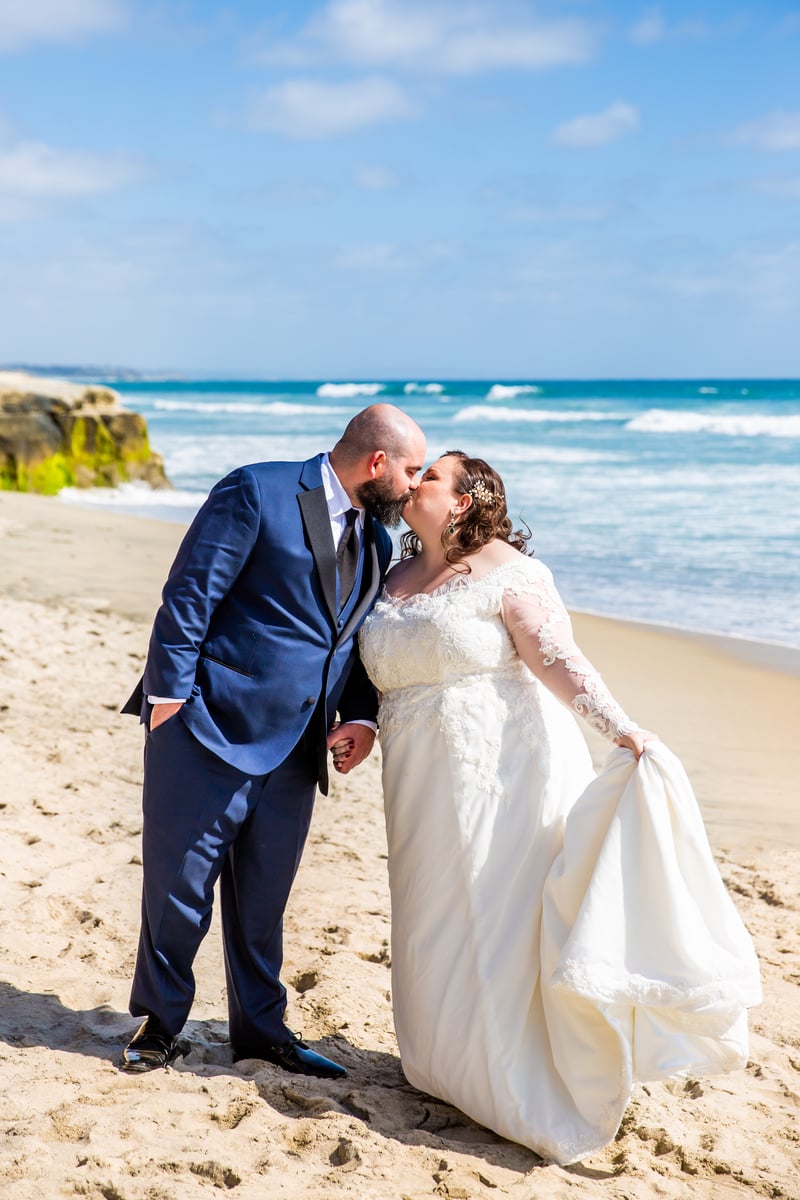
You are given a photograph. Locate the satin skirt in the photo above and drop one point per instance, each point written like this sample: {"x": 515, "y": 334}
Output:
{"x": 556, "y": 938}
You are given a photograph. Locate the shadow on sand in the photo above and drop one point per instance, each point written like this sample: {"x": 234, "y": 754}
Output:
{"x": 375, "y": 1090}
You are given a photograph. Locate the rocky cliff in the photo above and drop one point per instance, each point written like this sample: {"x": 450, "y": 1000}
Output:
{"x": 55, "y": 434}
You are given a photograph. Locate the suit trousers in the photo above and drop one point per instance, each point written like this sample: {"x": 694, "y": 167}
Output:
{"x": 204, "y": 819}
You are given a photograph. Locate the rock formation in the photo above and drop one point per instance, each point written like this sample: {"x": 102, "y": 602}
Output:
{"x": 55, "y": 434}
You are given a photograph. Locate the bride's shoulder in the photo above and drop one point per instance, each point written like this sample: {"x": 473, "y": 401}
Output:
{"x": 534, "y": 566}
{"x": 494, "y": 557}
{"x": 506, "y": 558}
{"x": 521, "y": 573}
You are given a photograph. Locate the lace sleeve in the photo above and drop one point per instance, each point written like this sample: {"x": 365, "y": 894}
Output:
{"x": 541, "y": 630}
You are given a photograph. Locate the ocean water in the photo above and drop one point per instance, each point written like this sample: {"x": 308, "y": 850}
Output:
{"x": 673, "y": 502}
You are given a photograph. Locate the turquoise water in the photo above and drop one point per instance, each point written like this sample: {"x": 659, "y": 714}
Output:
{"x": 675, "y": 502}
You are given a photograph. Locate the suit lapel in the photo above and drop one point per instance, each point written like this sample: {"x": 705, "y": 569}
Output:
{"x": 317, "y": 523}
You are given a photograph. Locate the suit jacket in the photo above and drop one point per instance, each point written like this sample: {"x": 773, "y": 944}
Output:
{"x": 249, "y": 628}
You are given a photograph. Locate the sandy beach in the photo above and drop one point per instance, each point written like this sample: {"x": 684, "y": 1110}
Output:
{"x": 78, "y": 589}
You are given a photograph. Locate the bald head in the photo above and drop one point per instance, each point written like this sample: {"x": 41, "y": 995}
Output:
{"x": 380, "y": 427}
{"x": 378, "y": 459}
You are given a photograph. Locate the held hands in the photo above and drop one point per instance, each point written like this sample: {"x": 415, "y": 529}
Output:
{"x": 635, "y": 741}
{"x": 162, "y": 712}
{"x": 350, "y": 744}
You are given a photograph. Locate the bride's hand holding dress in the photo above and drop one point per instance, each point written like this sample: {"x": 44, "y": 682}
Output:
{"x": 635, "y": 741}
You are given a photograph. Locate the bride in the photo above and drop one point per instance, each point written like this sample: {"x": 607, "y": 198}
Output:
{"x": 555, "y": 937}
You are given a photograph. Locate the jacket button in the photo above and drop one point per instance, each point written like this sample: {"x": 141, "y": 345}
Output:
{"x": 311, "y": 699}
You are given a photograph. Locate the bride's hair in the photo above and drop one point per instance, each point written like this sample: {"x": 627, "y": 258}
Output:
{"x": 486, "y": 518}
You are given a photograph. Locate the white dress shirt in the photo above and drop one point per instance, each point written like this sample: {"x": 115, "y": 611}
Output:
{"x": 339, "y": 503}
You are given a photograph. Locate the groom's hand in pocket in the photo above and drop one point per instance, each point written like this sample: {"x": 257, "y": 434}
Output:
{"x": 350, "y": 744}
{"x": 162, "y": 712}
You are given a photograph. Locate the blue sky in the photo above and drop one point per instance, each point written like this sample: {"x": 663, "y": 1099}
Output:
{"x": 381, "y": 188}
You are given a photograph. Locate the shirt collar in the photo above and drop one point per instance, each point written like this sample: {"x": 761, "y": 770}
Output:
{"x": 336, "y": 497}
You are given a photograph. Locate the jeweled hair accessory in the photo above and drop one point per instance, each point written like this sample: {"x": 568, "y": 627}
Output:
{"x": 481, "y": 494}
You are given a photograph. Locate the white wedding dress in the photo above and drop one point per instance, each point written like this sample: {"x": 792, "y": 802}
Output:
{"x": 555, "y": 936}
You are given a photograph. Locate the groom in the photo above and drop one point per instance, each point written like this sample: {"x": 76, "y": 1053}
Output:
{"x": 252, "y": 655}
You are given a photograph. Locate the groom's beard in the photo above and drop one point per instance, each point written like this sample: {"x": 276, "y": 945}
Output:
{"x": 377, "y": 497}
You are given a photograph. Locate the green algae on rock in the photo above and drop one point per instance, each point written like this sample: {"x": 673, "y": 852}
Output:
{"x": 55, "y": 434}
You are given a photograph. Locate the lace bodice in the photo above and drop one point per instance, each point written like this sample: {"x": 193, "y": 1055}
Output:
{"x": 466, "y": 628}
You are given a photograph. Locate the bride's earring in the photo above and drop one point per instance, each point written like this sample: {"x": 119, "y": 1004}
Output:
{"x": 451, "y": 528}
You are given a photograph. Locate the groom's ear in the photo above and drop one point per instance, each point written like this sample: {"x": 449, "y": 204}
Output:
{"x": 376, "y": 463}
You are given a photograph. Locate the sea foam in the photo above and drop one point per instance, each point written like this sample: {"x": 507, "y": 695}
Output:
{"x": 498, "y": 453}
{"x": 429, "y": 389}
{"x": 478, "y": 412}
{"x": 660, "y": 420}
{"x": 275, "y": 408}
{"x": 133, "y": 495}
{"x": 502, "y": 391}
{"x": 340, "y": 391}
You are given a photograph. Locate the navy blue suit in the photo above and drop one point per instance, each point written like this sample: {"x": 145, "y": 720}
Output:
{"x": 253, "y": 632}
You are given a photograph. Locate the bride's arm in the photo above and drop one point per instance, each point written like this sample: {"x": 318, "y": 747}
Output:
{"x": 541, "y": 630}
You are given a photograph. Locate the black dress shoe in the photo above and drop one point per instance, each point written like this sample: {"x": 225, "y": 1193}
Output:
{"x": 295, "y": 1056}
{"x": 150, "y": 1048}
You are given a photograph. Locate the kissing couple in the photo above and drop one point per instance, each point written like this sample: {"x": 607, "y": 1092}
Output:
{"x": 556, "y": 935}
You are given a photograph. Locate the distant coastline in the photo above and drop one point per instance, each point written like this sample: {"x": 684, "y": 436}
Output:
{"x": 92, "y": 374}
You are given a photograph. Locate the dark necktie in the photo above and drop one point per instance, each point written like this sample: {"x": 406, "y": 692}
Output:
{"x": 347, "y": 556}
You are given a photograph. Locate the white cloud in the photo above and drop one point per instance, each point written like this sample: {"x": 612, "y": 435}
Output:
{"x": 525, "y": 49}
{"x": 385, "y": 256}
{"x": 32, "y": 170}
{"x": 563, "y": 270}
{"x": 776, "y": 131}
{"x": 376, "y": 178}
{"x": 650, "y": 28}
{"x": 790, "y": 23}
{"x": 766, "y": 279}
{"x": 443, "y": 38}
{"x": 599, "y": 129}
{"x": 374, "y": 31}
{"x": 382, "y": 256}
{"x": 309, "y": 108}
{"x": 23, "y": 22}
{"x": 691, "y": 283}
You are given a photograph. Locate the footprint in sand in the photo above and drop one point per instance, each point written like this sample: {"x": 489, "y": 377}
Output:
{"x": 304, "y": 981}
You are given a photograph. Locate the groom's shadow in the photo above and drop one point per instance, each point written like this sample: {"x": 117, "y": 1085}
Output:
{"x": 375, "y": 1090}
{"x": 40, "y": 1019}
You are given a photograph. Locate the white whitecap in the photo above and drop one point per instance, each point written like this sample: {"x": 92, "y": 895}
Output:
{"x": 345, "y": 390}
{"x": 660, "y": 420}
{"x": 477, "y": 412}
{"x": 551, "y": 455}
{"x": 431, "y": 389}
{"x": 127, "y": 493}
{"x": 502, "y": 391}
{"x": 707, "y": 391}
{"x": 275, "y": 408}
{"x": 138, "y": 499}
